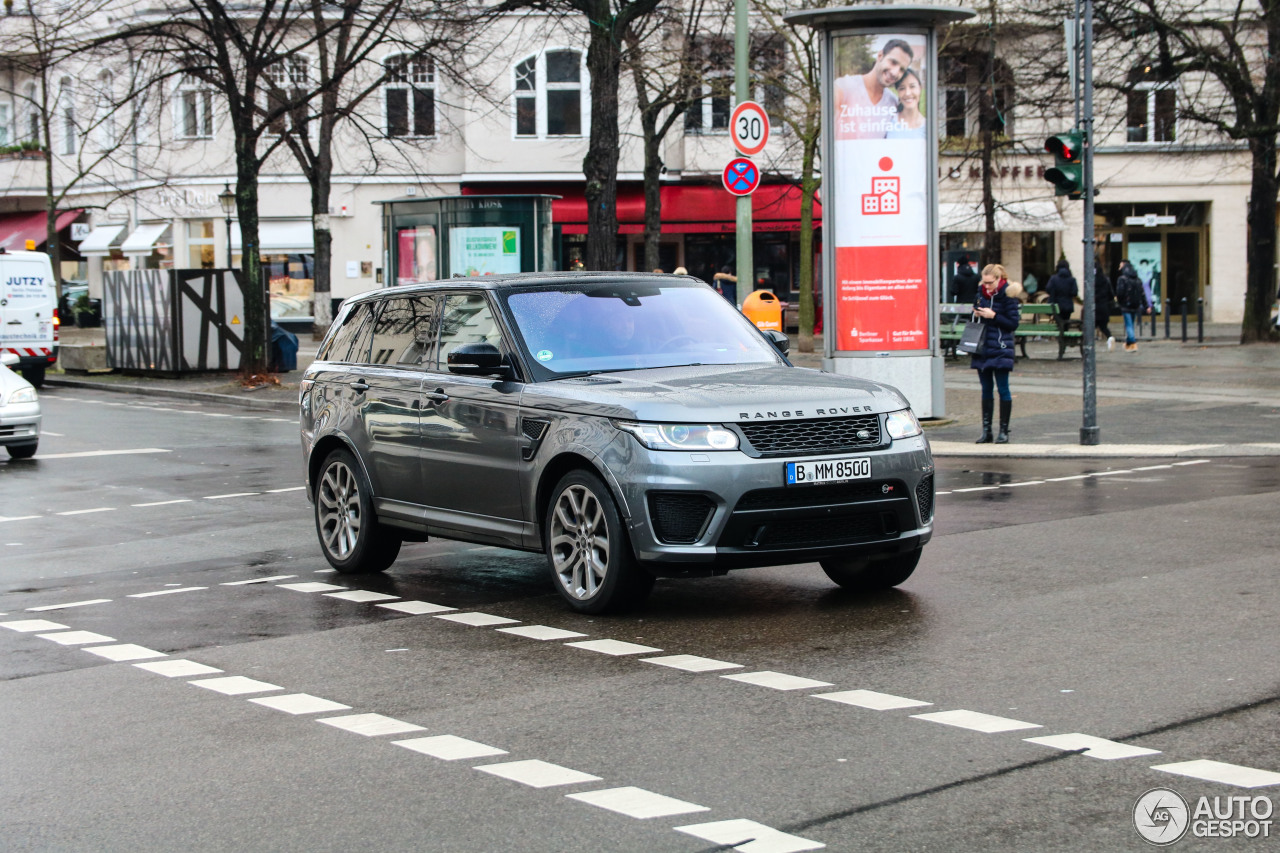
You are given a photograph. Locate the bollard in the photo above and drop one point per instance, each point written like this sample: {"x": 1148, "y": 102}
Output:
{"x": 1184, "y": 319}
{"x": 1168, "y": 309}
{"x": 1200, "y": 319}
{"x": 1155, "y": 306}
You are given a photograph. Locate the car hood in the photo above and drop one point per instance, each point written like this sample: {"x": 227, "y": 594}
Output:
{"x": 715, "y": 394}
{"x": 10, "y": 382}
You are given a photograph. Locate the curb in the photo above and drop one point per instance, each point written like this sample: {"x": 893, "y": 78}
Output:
{"x": 176, "y": 394}
{"x": 950, "y": 449}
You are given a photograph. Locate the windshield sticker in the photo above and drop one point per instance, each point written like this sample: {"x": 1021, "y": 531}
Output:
{"x": 545, "y": 355}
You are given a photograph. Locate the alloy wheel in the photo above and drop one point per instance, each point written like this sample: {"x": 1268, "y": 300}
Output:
{"x": 579, "y": 542}
{"x": 338, "y": 508}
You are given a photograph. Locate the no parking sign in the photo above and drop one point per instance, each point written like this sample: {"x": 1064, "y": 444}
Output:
{"x": 741, "y": 177}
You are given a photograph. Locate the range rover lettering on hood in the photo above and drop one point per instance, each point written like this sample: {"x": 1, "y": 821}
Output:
{"x": 830, "y": 412}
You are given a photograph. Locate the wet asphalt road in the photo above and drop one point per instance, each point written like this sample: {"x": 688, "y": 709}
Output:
{"x": 1128, "y": 600}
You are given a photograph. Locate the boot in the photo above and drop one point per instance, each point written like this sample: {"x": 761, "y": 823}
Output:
{"x": 988, "y": 406}
{"x": 1006, "y": 408}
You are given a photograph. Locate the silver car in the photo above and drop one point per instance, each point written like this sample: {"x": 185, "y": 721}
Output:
{"x": 629, "y": 426}
{"x": 19, "y": 411}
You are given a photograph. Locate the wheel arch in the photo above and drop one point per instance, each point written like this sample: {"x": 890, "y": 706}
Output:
{"x": 320, "y": 451}
{"x": 562, "y": 464}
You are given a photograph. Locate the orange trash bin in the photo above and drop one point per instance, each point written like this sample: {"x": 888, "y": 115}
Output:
{"x": 764, "y": 309}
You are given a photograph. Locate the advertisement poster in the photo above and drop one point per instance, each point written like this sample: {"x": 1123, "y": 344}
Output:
{"x": 1145, "y": 257}
{"x": 484, "y": 250}
{"x": 880, "y": 149}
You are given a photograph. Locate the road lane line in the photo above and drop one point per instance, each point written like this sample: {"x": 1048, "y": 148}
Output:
{"x": 87, "y": 511}
{"x": 361, "y": 595}
{"x": 692, "y": 663}
{"x": 88, "y": 453}
{"x": 637, "y": 802}
{"x": 299, "y": 703}
{"x": 371, "y": 725}
{"x": 537, "y": 774}
{"x": 165, "y": 592}
{"x": 311, "y": 587}
{"x": 975, "y": 721}
{"x": 289, "y": 489}
{"x": 777, "y": 680}
{"x": 165, "y": 503}
{"x": 124, "y": 652}
{"x": 232, "y": 495}
{"x": 541, "y": 632}
{"x": 68, "y": 604}
{"x": 77, "y": 638}
{"x": 31, "y": 625}
{"x": 1094, "y": 747}
{"x": 18, "y": 517}
{"x": 743, "y": 834}
{"x": 613, "y": 647}
{"x": 871, "y": 700}
{"x": 177, "y": 668}
{"x": 478, "y": 620}
{"x": 450, "y": 747}
{"x": 235, "y": 685}
{"x": 258, "y": 580}
{"x": 417, "y": 608}
{"x": 1219, "y": 771}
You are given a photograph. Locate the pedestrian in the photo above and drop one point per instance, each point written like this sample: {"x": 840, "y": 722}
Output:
{"x": 964, "y": 284}
{"x": 1062, "y": 290}
{"x": 727, "y": 283}
{"x": 1133, "y": 300}
{"x": 1104, "y": 303}
{"x": 999, "y": 313}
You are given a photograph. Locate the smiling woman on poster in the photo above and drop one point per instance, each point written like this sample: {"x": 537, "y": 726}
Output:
{"x": 910, "y": 123}
{"x": 866, "y": 103}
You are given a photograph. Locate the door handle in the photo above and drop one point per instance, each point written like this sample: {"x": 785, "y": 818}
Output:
{"x": 437, "y": 396}
{"x": 359, "y": 385}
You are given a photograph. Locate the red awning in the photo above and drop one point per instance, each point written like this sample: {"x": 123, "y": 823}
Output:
{"x": 686, "y": 208}
{"x": 17, "y": 228}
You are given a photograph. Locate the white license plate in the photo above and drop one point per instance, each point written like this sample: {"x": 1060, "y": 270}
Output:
{"x": 829, "y": 470}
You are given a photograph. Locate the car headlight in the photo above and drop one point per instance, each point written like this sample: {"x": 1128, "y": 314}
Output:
{"x": 902, "y": 424}
{"x": 23, "y": 395}
{"x": 681, "y": 436}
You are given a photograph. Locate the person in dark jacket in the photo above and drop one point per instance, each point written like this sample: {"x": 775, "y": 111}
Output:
{"x": 1104, "y": 298}
{"x": 999, "y": 313}
{"x": 1062, "y": 290}
{"x": 964, "y": 284}
{"x": 1133, "y": 302}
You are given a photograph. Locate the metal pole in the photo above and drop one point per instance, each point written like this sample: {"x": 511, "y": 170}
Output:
{"x": 1168, "y": 312}
{"x": 1200, "y": 320}
{"x": 1184, "y": 319}
{"x": 1089, "y": 433}
{"x": 1073, "y": 45}
{"x": 742, "y": 87}
{"x": 229, "y": 265}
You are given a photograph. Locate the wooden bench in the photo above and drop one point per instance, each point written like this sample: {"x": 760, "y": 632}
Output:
{"x": 1037, "y": 321}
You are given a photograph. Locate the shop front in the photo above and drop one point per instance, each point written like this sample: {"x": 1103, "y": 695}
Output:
{"x": 1167, "y": 243}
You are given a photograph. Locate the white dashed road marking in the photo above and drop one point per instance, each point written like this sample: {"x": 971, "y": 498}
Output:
{"x": 1094, "y": 747}
{"x": 613, "y": 647}
{"x": 232, "y": 495}
{"x": 538, "y": 774}
{"x": 1218, "y": 771}
{"x": 478, "y": 620}
{"x": 124, "y": 652}
{"x": 289, "y": 489}
{"x": 986, "y": 723}
{"x": 76, "y": 638}
{"x": 417, "y": 608}
{"x": 69, "y": 604}
{"x": 31, "y": 625}
{"x": 361, "y": 595}
{"x": 371, "y": 725}
{"x": 312, "y": 586}
{"x": 300, "y": 703}
{"x": 235, "y": 685}
{"x": 87, "y": 511}
{"x": 777, "y": 680}
{"x": 259, "y": 580}
{"x": 692, "y": 663}
{"x": 166, "y": 592}
{"x": 177, "y": 668}
{"x": 872, "y": 700}
{"x": 542, "y": 632}
{"x": 750, "y": 837}
{"x": 449, "y": 747}
{"x": 165, "y": 503}
{"x": 87, "y": 453}
{"x": 637, "y": 803}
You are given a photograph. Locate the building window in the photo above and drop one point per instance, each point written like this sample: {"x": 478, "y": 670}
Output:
{"x": 67, "y": 114}
{"x": 31, "y": 102}
{"x": 200, "y": 244}
{"x": 6, "y": 125}
{"x": 193, "y": 108}
{"x": 1152, "y": 109}
{"x": 287, "y": 83}
{"x": 104, "y": 121}
{"x": 553, "y": 108}
{"x": 977, "y": 94}
{"x": 410, "y": 93}
{"x": 711, "y": 100}
{"x": 768, "y": 66}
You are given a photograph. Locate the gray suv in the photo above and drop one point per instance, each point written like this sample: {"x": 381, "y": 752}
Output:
{"x": 629, "y": 426}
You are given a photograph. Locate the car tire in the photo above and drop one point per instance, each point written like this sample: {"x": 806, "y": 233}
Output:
{"x": 589, "y": 555}
{"x": 34, "y": 375}
{"x": 350, "y": 536}
{"x": 22, "y": 451}
{"x": 869, "y": 575}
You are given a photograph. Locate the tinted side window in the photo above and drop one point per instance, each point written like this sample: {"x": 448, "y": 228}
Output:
{"x": 352, "y": 337}
{"x": 405, "y": 332}
{"x": 466, "y": 319}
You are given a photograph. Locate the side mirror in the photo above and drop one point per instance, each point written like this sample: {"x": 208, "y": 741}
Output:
{"x": 480, "y": 359}
{"x": 779, "y": 340}
{"x": 9, "y": 359}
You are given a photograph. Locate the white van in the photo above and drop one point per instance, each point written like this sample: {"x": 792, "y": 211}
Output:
{"x": 28, "y": 312}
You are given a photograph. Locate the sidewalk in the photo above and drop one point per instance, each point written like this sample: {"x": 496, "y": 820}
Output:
{"x": 1167, "y": 399}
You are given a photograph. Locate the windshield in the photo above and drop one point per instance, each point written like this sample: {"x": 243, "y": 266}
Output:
{"x": 623, "y": 325}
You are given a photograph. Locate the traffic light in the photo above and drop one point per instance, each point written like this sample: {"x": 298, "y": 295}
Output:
{"x": 1067, "y": 175}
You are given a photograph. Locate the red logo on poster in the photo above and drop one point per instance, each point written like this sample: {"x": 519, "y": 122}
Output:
{"x": 883, "y": 197}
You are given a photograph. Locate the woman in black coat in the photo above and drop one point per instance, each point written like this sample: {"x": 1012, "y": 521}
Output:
{"x": 1062, "y": 289}
{"x": 999, "y": 313}
{"x": 1104, "y": 302}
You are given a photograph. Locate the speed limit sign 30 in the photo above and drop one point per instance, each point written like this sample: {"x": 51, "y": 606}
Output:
{"x": 750, "y": 128}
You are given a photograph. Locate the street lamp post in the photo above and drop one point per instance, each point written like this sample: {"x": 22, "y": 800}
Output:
{"x": 227, "y": 199}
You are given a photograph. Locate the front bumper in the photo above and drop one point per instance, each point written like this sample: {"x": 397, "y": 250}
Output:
{"x": 699, "y": 513}
{"x": 19, "y": 423}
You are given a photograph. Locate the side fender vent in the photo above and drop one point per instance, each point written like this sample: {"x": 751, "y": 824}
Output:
{"x": 534, "y": 429}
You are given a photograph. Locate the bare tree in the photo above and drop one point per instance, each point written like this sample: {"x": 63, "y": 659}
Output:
{"x": 1226, "y": 59}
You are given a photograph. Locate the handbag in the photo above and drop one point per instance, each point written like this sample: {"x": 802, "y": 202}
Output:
{"x": 973, "y": 340}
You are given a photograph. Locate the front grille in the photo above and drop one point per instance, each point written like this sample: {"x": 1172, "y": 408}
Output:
{"x": 924, "y": 498}
{"x": 828, "y": 531}
{"x": 679, "y": 518}
{"x": 834, "y": 493}
{"x": 820, "y": 435}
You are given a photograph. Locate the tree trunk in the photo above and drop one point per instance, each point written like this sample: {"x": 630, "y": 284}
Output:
{"x": 652, "y": 192}
{"x": 321, "y": 187}
{"x": 808, "y": 188}
{"x": 257, "y": 312}
{"x": 1260, "y": 287}
{"x": 600, "y": 167}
